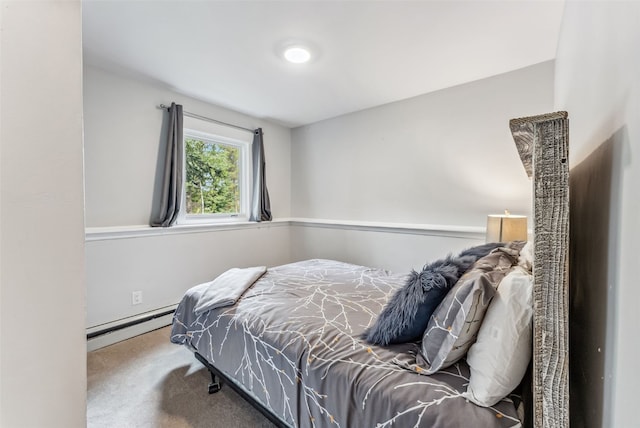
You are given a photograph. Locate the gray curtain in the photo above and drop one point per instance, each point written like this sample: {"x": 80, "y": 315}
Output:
{"x": 172, "y": 177}
{"x": 260, "y": 203}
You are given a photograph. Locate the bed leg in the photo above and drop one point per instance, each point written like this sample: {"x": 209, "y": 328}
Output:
{"x": 215, "y": 384}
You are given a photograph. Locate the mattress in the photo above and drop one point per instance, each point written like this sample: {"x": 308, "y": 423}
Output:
{"x": 294, "y": 342}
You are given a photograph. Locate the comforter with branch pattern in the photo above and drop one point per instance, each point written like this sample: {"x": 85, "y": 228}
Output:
{"x": 293, "y": 341}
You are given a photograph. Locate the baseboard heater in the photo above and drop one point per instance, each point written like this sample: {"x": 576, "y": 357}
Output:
{"x": 116, "y": 331}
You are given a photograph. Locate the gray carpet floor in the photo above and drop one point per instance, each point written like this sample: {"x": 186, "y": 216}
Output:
{"x": 147, "y": 381}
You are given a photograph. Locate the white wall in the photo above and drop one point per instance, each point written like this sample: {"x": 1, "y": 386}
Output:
{"x": 442, "y": 158}
{"x": 43, "y": 347}
{"x": 445, "y": 159}
{"x": 1, "y": 283}
{"x": 395, "y": 250}
{"x": 163, "y": 267}
{"x": 123, "y": 131}
{"x": 123, "y": 146}
{"x": 598, "y": 83}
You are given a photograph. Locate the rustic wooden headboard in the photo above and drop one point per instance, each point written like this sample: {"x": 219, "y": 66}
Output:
{"x": 543, "y": 144}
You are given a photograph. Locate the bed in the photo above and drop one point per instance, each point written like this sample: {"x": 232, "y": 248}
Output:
{"x": 294, "y": 345}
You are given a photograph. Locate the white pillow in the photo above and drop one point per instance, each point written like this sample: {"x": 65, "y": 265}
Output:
{"x": 526, "y": 256}
{"x": 500, "y": 356}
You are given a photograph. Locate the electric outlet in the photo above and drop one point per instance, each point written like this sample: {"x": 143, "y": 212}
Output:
{"x": 136, "y": 297}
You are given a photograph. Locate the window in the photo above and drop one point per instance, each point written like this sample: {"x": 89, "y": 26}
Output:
{"x": 216, "y": 178}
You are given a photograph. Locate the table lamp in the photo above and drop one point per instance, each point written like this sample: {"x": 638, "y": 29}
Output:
{"x": 506, "y": 227}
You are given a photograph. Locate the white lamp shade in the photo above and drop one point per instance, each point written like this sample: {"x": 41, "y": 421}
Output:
{"x": 506, "y": 227}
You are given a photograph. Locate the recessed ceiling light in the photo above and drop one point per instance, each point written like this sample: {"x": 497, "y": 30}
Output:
{"x": 297, "y": 55}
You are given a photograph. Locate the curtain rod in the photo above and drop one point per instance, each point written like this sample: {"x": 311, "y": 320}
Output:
{"x": 208, "y": 119}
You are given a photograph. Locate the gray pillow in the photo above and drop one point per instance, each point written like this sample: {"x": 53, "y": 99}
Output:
{"x": 407, "y": 313}
{"x": 454, "y": 325}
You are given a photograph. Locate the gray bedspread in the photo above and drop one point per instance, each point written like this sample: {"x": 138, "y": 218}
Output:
{"x": 293, "y": 341}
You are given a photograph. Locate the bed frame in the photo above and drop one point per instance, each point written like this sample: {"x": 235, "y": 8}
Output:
{"x": 218, "y": 378}
{"x": 542, "y": 142}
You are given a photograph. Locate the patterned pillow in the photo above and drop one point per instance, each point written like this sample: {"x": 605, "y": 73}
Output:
{"x": 454, "y": 325}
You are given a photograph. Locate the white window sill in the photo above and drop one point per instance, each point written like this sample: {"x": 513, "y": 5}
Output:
{"x": 210, "y": 220}
{"x": 140, "y": 231}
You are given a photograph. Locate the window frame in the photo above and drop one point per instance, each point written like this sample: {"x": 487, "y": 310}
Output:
{"x": 245, "y": 182}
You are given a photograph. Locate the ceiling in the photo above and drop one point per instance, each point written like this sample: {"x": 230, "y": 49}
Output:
{"x": 365, "y": 53}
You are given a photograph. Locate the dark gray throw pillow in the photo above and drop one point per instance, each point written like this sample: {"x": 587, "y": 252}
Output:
{"x": 407, "y": 314}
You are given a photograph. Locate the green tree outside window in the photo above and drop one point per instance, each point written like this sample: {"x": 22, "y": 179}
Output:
{"x": 212, "y": 182}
